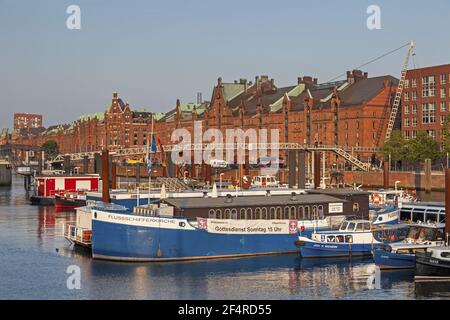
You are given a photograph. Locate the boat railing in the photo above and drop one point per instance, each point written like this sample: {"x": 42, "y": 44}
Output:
{"x": 77, "y": 234}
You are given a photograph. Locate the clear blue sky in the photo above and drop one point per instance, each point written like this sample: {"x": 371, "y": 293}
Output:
{"x": 153, "y": 52}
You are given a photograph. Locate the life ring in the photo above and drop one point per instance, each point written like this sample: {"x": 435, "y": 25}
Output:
{"x": 376, "y": 198}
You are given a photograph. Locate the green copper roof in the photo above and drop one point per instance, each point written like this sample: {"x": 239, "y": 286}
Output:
{"x": 231, "y": 90}
{"x": 99, "y": 115}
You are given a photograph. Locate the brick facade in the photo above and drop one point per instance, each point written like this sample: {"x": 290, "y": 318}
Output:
{"x": 426, "y": 101}
{"x": 352, "y": 112}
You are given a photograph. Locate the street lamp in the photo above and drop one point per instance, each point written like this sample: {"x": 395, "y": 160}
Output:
{"x": 220, "y": 180}
{"x": 396, "y": 183}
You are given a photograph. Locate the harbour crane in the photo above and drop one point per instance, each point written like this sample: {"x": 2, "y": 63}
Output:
{"x": 398, "y": 94}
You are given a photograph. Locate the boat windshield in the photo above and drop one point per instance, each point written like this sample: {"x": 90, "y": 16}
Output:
{"x": 390, "y": 234}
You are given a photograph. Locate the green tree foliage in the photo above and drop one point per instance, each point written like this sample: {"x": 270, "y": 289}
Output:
{"x": 51, "y": 148}
{"x": 423, "y": 147}
{"x": 395, "y": 147}
{"x": 446, "y": 134}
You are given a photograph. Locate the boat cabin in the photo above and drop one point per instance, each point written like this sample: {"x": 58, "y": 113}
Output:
{"x": 293, "y": 207}
{"x": 48, "y": 186}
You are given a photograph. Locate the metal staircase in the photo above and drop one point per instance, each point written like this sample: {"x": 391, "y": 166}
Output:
{"x": 173, "y": 184}
{"x": 347, "y": 156}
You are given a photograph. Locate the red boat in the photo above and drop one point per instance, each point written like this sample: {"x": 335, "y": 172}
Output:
{"x": 49, "y": 186}
{"x": 70, "y": 200}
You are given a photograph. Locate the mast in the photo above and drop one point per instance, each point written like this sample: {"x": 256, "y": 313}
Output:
{"x": 149, "y": 161}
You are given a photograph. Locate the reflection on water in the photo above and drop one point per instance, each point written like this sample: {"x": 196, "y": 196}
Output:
{"x": 34, "y": 260}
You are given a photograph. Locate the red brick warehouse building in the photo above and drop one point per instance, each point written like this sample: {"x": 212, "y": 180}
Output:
{"x": 426, "y": 101}
{"x": 352, "y": 113}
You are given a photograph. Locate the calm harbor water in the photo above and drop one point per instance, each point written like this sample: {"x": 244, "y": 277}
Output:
{"x": 34, "y": 261}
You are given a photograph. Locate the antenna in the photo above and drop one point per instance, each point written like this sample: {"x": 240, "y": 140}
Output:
{"x": 199, "y": 98}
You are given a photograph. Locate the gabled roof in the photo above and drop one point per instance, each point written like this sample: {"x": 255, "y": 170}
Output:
{"x": 365, "y": 90}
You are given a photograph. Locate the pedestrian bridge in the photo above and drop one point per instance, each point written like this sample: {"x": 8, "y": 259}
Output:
{"x": 344, "y": 152}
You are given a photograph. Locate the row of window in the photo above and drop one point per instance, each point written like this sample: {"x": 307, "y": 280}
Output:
{"x": 406, "y": 108}
{"x": 413, "y": 134}
{"x": 426, "y": 92}
{"x": 274, "y": 213}
{"x": 444, "y": 79}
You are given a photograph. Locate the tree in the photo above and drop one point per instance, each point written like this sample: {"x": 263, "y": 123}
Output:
{"x": 446, "y": 134}
{"x": 394, "y": 147}
{"x": 50, "y": 148}
{"x": 423, "y": 147}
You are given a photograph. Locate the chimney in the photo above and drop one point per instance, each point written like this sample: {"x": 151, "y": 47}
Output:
{"x": 307, "y": 81}
{"x": 359, "y": 75}
{"x": 350, "y": 78}
{"x": 115, "y": 95}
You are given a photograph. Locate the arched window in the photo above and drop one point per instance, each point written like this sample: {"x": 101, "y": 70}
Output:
{"x": 301, "y": 213}
{"x": 307, "y": 214}
{"x": 315, "y": 212}
{"x": 258, "y": 214}
{"x": 227, "y": 214}
{"x": 264, "y": 213}
{"x": 242, "y": 213}
{"x": 293, "y": 213}
{"x": 249, "y": 215}
{"x": 279, "y": 213}
{"x": 234, "y": 214}
{"x": 218, "y": 214}
{"x": 211, "y": 214}
{"x": 321, "y": 213}
{"x": 286, "y": 212}
{"x": 273, "y": 214}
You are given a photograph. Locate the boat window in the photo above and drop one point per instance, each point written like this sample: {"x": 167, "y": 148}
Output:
{"x": 279, "y": 213}
{"x": 219, "y": 214}
{"x": 359, "y": 227}
{"x": 307, "y": 214}
{"x": 445, "y": 255}
{"x": 234, "y": 213}
{"x": 258, "y": 213}
{"x": 343, "y": 226}
{"x": 293, "y": 213}
{"x": 339, "y": 238}
{"x": 349, "y": 239}
{"x": 286, "y": 212}
{"x": 249, "y": 214}
{"x": 431, "y": 216}
{"x": 242, "y": 213}
{"x": 405, "y": 215}
{"x": 211, "y": 214}
{"x": 366, "y": 226}
{"x": 440, "y": 234}
{"x": 355, "y": 207}
{"x": 427, "y": 234}
{"x": 301, "y": 213}
{"x": 351, "y": 226}
{"x": 264, "y": 213}
{"x": 413, "y": 233}
{"x": 418, "y": 215}
{"x": 330, "y": 239}
{"x": 227, "y": 214}
{"x": 321, "y": 213}
{"x": 273, "y": 214}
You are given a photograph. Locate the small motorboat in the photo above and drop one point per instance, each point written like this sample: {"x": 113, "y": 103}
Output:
{"x": 354, "y": 238}
{"x": 386, "y": 214}
{"x": 401, "y": 255}
{"x": 69, "y": 200}
{"x": 433, "y": 265}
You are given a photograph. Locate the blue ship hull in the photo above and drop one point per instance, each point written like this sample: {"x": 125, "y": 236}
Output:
{"x": 124, "y": 242}
{"x": 316, "y": 250}
{"x": 389, "y": 260}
